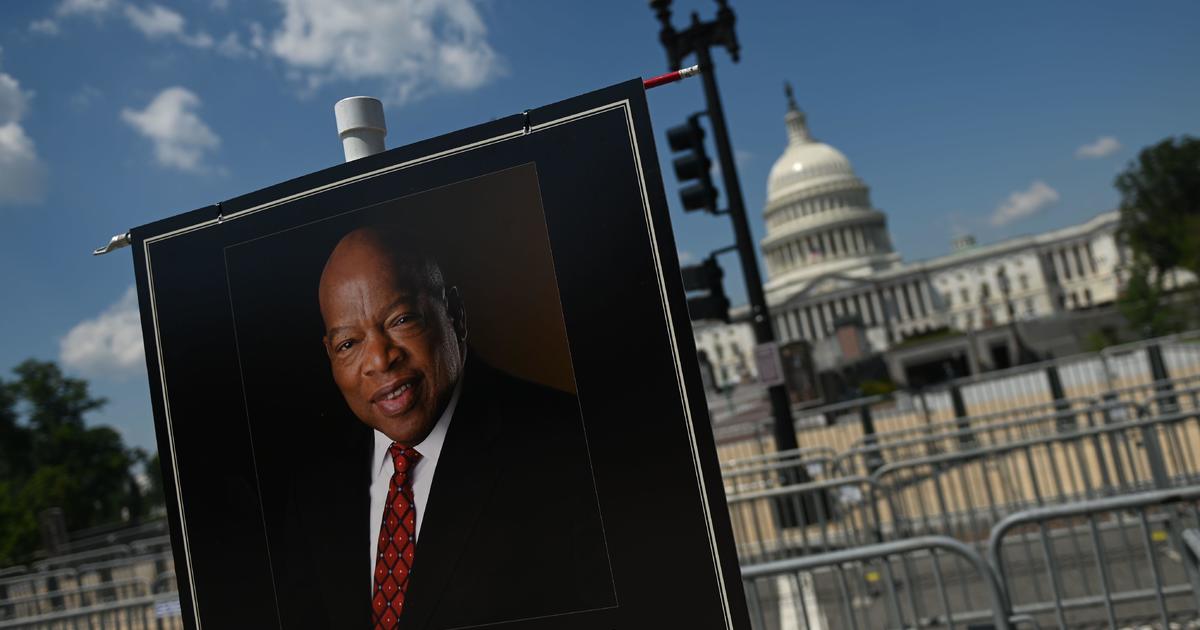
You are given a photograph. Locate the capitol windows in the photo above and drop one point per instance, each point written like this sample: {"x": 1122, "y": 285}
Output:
{"x": 966, "y": 296}
{"x": 1023, "y": 281}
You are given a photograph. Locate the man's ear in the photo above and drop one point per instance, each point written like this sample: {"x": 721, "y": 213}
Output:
{"x": 325, "y": 344}
{"x": 457, "y": 312}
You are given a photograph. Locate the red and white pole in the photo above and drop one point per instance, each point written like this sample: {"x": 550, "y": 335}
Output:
{"x": 671, "y": 77}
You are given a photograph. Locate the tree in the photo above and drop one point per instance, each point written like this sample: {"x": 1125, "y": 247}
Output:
{"x": 1160, "y": 204}
{"x": 1160, "y": 224}
{"x": 50, "y": 458}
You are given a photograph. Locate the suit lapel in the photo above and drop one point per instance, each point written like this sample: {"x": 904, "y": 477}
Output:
{"x": 465, "y": 478}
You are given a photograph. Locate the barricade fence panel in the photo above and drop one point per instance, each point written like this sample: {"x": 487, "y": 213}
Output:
{"x": 964, "y": 493}
{"x": 51, "y": 591}
{"x": 159, "y": 612}
{"x": 806, "y": 518}
{"x": 1120, "y": 373}
{"x": 920, "y": 582}
{"x": 1110, "y": 563}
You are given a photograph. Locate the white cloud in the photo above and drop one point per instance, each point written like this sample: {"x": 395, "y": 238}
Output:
{"x": 85, "y": 96}
{"x": 110, "y": 342}
{"x": 1102, "y": 147}
{"x": 686, "y": 257}
{"x": 13, "y": 101}
{"x": 84, "y": 7}
{"x": 1023, "y": 203}
{"x": 22, "y": 174}
{"x": 156, "y": 21}
{"x": 159, "y": 22}
{"x": 95, "y": 9}
{"x": 413, "y": 46}
{"x": 199, "y": 39}
{"x": 180, "y": 138}
{"x": 45, "y": 27}
{"x": 231, "y": 46}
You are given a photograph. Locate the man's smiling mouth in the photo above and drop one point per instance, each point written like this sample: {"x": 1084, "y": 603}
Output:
{"x": 396, "y": 392}
{"x": 396, "y": 398}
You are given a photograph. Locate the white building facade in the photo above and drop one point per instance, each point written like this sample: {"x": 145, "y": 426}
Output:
{"x": 729, "y": 349}
{"x": 829, "y": 257}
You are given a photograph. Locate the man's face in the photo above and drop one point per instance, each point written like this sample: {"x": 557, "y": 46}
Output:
{"x": 393, "y": 348}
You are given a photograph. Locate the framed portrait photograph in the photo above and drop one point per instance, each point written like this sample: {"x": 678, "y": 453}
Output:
{"x": 451, "y": 385}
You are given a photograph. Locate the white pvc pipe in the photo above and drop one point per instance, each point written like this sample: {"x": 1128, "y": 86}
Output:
{"x": 360, "y": 125}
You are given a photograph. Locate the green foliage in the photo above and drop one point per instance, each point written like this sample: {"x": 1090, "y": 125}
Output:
{"x": 1098, "y": 340}
{"x": 873, "y": 387}
{"x": 1160, "y": 205}
{"x": 155, "y": 494}
{"x": 1146, "y": 305}
{"x": 52, "y": 459}
{"x": 1160, "y": 223}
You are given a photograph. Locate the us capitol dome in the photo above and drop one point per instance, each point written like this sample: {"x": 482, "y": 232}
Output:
{"x": 830, "y": 262}
{"x": 818, "y": 215}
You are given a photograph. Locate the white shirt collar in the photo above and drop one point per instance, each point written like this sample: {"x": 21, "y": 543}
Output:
{"x": 429, "y": 448}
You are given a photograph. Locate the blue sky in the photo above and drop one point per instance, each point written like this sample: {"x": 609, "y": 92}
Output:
{"x": 117, "y": 112}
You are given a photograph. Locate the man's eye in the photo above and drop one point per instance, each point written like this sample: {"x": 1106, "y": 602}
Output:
{"x": 345, "y": 345}
{"x": 408, "y": 319}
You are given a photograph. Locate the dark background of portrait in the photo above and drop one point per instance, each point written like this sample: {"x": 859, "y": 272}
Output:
{"x": 638, "y": 384}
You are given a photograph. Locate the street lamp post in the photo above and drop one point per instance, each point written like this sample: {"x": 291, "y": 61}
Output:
{"x": 696, "y": 39}
{"x": 1024, "y": 354}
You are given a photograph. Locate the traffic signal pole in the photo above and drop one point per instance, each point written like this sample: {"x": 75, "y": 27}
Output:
{"x": 698, "y": 38}
{"x": 784, "y": 429}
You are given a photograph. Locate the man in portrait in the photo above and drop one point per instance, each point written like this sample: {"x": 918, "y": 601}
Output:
{"x": 462, "y": 495}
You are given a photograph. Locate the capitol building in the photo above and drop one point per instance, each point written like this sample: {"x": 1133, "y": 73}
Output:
{"x": 830, "y": 263}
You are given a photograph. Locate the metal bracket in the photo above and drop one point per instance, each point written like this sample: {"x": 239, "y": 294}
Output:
{"x": 116, "y": 242}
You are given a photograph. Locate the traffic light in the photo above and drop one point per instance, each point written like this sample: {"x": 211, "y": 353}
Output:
{"x": 694, "y": 164}
{"x": 706, "y": 277}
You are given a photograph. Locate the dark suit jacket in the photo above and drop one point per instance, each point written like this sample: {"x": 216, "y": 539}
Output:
{"x": 511, "y": 529}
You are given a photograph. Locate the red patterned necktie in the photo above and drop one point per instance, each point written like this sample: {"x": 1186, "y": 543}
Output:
{"x": 397, "y": 541}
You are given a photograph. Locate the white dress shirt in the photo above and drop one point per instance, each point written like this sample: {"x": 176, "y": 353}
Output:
{"x": 422, "y": 475}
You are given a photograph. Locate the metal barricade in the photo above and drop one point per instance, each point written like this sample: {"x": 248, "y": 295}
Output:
{"x": 963, "y": 494}
{"x": 805, "y": 518}
{"x": 1112, "y": 562}
{"x": 155, "y": 612}
{"x": 68, "y": 599}
{"x": 34, "y": 583}
{"x": 112, "y": 552}
{"x": 774, "y": 470}
{"x": 919, "y": 582}
{"x": 971, "y": 433}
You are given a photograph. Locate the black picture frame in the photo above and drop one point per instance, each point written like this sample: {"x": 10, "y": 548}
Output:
{"x": 657, "y": 481}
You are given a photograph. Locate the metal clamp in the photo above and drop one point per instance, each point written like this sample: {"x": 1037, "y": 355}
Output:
{"x": 116, "y": 242}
